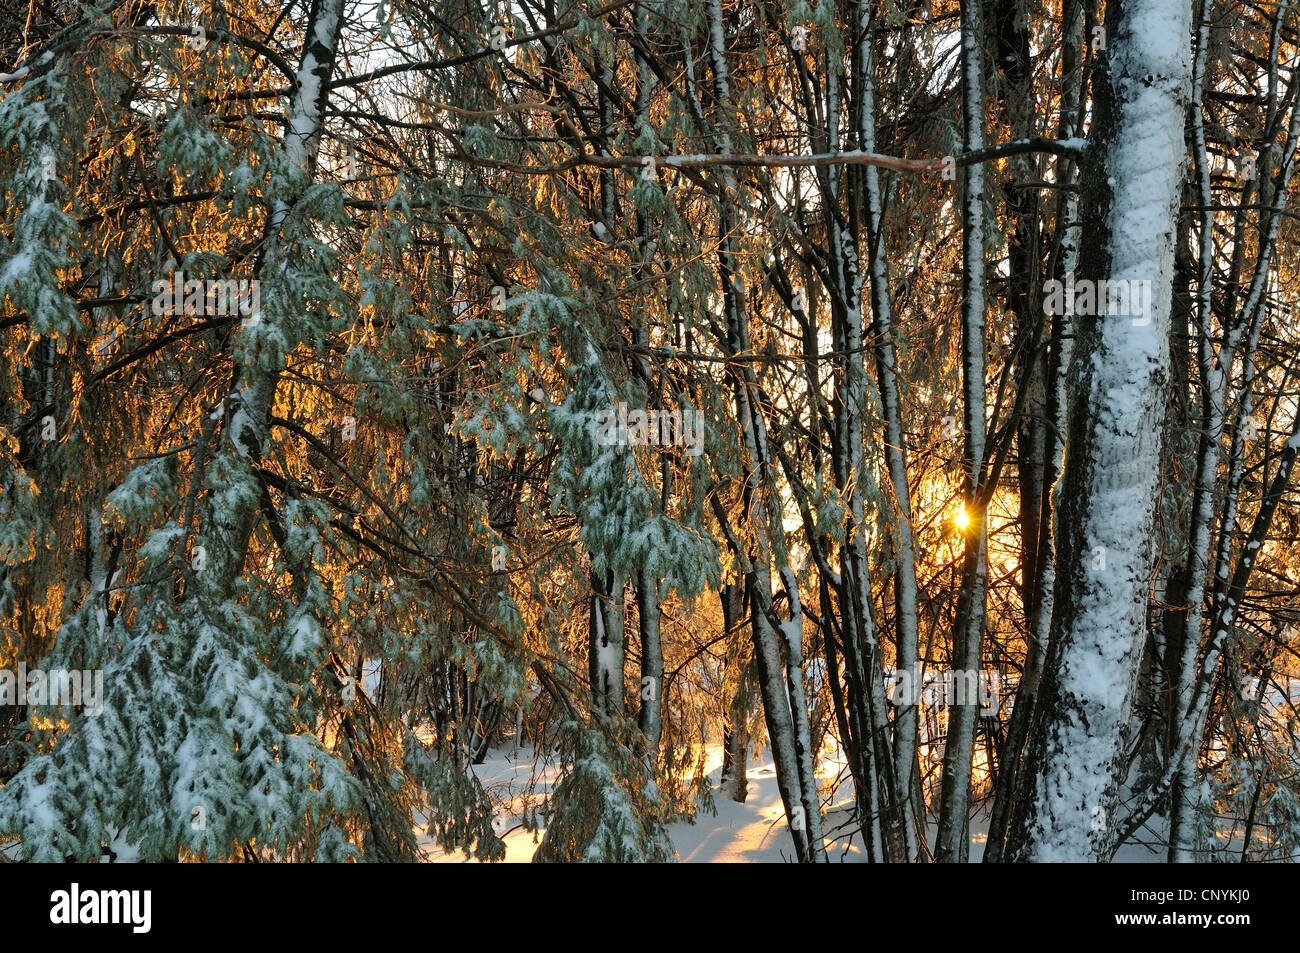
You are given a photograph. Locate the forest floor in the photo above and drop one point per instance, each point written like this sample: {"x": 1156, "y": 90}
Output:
{"x": 752, "y": 832}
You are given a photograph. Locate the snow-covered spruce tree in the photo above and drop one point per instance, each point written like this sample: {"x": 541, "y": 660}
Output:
{"x": 204, "y": 745}
{"x": 37, "y": 240}
{"x": 568, "y": 304}
{"x": 42, "y": 116}
{"x": 435, "y": 473}
{"x": 604, "y": 809}
{"x": 324, "y": 557}
{"x": 607, "y": 789}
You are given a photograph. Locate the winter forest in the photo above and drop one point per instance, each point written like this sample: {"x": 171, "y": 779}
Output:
{"x": 648, "y": 430}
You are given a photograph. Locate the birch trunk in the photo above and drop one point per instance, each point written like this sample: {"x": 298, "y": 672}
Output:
{"x": 1216, "y": 368}
{"x": 649, "y": 613}
{"x": 1131, "y": 190}
{"x": 895, "y": 447}
{"x": 1040, "y": 577}
{"x": 605, "y": 647}
{"x": 738, "y": 681}
{"x": 259, "y": 362}
{"x": 784, "y": 702}
{"x": 650, "y": 720}
{"x": 954, "y": 805}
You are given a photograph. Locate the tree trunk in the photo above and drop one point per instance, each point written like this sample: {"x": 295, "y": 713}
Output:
{"x": 605, "y": 646}
{"x": 1132, "y": 179}
{"x": 967, "y": 637}
{"x": 738, "y": 681}
{"x": 895, "y": 453}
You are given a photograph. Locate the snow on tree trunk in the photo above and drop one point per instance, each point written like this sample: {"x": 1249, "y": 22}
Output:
{"x": 1131, "y": 187}
{"x": 606, "y": 647}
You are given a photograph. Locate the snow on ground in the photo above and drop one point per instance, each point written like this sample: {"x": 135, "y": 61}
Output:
{"x": 753, "y": 832}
